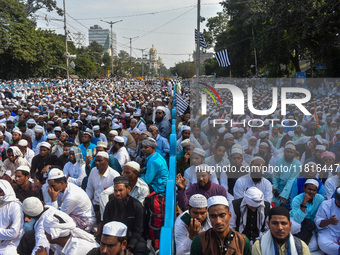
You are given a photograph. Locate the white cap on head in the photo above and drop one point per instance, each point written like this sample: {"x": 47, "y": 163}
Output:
{"x": 134, "y": 165}
{"x": 312, "y": 181}
{"x": 39, "y": 129}
{"x": 102, "y": 144}
{"x": 116, "y": 126}
{"x": 17, "y": 130}
{"x": 113, "y": 132}
{"x": 290, "y": 146}
{"x": 234, "y": 129}
{"x": 115, "y": 228}
{"x": 236, "y": 150}
{"x": 227, "y": 136}
{"x": 56, "y": 129}
{"x": 320, "y": 147}
{"x": 337, "y": 132}
{"x": 291, "y": 133}
{"x": 51, "y": 136}
{"x": 264, "y": 144}
{"x": 217, "y": 200}
{"x": 127, "y": 114}
{"x": 32, "y": 206}
{"x": 96, "y": 127}
{"x": 263, "y": 134}
{"x": 74, "y": 125}
{"x": 22, "y": 142}
{"x": 55, "y": 173}
{"x": 45, "y": 144}
{"x": 198, "y": 201}
{"x": 23, "y": 169}
{"x": 199, "y": 151}
{"x": 103, "y": 154}
{"x": 119, "y": 139}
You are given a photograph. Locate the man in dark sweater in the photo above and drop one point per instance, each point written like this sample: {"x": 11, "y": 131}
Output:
{"x": 128, "y": 210}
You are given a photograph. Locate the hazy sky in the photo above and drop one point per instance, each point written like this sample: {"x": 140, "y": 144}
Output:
{"x": 170, "y": 28}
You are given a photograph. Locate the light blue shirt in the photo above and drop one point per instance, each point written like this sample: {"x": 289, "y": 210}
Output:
{"x": 35, "y": 142}
{"x": 163, "y": 146}
{"x": 310, "y": 211}
{"x": 157, "y": 172}
{"x": 84, "y": 150}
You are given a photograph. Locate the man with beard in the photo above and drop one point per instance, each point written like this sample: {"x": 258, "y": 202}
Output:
{"x": 58, "y": 149}
{"x": 219, "y": 159}
{"x": 113, "y": 241}
{"x": 128, "y": 210}
{"x": 298, "y": 133}
{"x": 199, "y": 222}
{"x": 129, "y": 141}
{"x": 31, "y": 124}
{"x": 140, "y": 122}
{"x": 229, "y": 142}
{"x": 204, "y": 186}
{"x": 275, "y": 135}
{"x": 317, "y": 158}
{"x": 279, "y": 240}
{"x": 163, "y": 146}
{"x": 79, "y": 133}
{"x": 97, "y": 134}
{"x": 287, "y": 169}
{"x": 39, "y": 137}
{"x": 26, "y": 152}
{"x": 16, "y": 137}
{"x": 49, "y": 127}
{"x": 162, "y": 123}
{"x": 254, "y": 179}
{"x": 220, "y": 239}
{"x": 249, "y": 214}
{"x": 201, "y": 139}
{"x": 148, "y": 116}
{"x": 25, "y": 135}
{"x": 86, "y": 144}
{"x": 63, "y": 159}
{"x": 264, "y": 152}
{"x": 156, "y": 171}
{"x": 127, "y": 119}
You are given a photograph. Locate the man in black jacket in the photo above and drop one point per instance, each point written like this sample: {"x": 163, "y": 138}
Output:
{"x": 128, "y": 210}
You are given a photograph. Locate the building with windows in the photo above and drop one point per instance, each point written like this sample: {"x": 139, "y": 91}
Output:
{"x": 103, "y": 37}
{"x": 153, "y": 63}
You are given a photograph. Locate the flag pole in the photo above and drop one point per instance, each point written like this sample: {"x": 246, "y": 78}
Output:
{"x": 198, "y": 52}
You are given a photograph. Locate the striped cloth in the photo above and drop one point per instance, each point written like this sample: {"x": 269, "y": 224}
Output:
{"x": 181, "y": 104}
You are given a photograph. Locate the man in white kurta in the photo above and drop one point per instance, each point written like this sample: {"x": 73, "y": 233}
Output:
{"x": 74, "y": 170}
{"x": 72, "y": 199}
{"x": 11, "y": 220}
{"x": 185, "y": 234}
{"x": 121, "y": 154}
{"x": 327, "y": 221}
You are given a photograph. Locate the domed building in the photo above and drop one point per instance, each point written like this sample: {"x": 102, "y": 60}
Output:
{"x": 153, "y": 62}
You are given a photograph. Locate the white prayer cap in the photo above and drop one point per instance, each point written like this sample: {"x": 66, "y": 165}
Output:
{"x": 74, "y": 125}
{"x": 96, "y": 127}
{"x": 257, "y": 158}
{"x": 290, "y": 146}
{"x": 127, "y": 114}
{"x": 217, "y": 200}
{"x": 264, "y": 144}
{"x": 291, "y": 133}
{"x": 228, "y": 135}
{"x": 119, "y": 139}
{"x": 199, "y": 151}
{"x": 1, "y": 134}
{"x": 17, "y": 130}
{"x": 55, "y": 173}
{"x": 93, "y": 118}
{"x": 160, "y": 108}
{"x": 63, "y": 121}
{"x": 311, "y": 163}
{"x": 236, "y": 149}
{"x": 312, "y": 181}
{"x": 45, "y": 144}
{"x": 221, "y": 130}
{"x": 56, "y": 129}
{"x": 198, "y": 201}
{"x": 234, "y": 129}
{"x": 253, "y": 197}
{"x": 337, "y": 132}
{"x": 320, "y": 147}
{"x": 115, "y": 228}
{"x": 32, "y": 206}
{"x": 103, "y": 154}
{"x": 39, "y": 129}
{"x": 185, "y": 142}
{"x": 133, "y": 165}
{"x": 263, "y": 134}
{"x": 102, "y": 144}
{"x": 253, "y": 137}
{"x": 113, "y": 132}
{"x": 51, "y": 136}
{"x": 23, "y": 168}
{"x": 22, "y": 142}
{"x": 185, "y": 127}
{"x": 136, "y": 114}
{"x": 115, "y": 126}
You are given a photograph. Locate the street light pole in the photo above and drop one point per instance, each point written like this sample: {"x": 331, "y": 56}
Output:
{"x": 142, "y": 60}
{"x": 198, "y": 50}
{"x": 111, "y": 23}
{"x": 130, "y": 38}
{"x": 66, "y": 48}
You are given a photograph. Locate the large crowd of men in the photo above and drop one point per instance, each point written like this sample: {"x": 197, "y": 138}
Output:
{"x": 79, "y": 160}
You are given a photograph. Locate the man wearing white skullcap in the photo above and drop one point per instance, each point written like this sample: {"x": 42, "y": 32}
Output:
{"x": 119, "y": 151}
{"x": 220, "y": 239}
{"x": 199, "y": 222}
{"x": 162, "y": 122}
{"x": 39, "y": 137}
{"x": 101, "y": 177}
{"x": 60, "y": 229}
{"x": 14, "y": 160}
{"x": 69, "y": 198}
{"x": 304, "y": 209}
{"x": 11, "y": 220}
{"x": 327, "y": 223}
{"x": 36, "y": 213}
{"x": 254, "y": 179}
{"x": 113, "y": 241}
{"x": 287, "y": 169}
{"x": 250, "y": 213}
{"x": 23, "y": 188}
{"x": 97, "y": 133}
{"x": 26, "y": 151}
{"x": 184, "y": 134}
{"x": 317, "y": 157}
{"x": 163, "y": 146}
